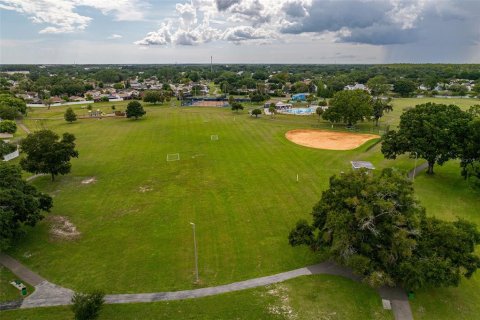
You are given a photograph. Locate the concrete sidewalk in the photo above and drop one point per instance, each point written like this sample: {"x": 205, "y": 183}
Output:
{"x": 48, "y": 294}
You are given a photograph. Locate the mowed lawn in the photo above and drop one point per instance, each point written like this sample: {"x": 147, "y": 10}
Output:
{"x": 446, "y": 195}
{"x": 7, "y": 291}
{"x": 240, "y": 191}
{"x": 306, "y": 298}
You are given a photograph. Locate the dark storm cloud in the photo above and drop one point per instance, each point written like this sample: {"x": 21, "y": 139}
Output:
{"x": 335, "y": 15}
{"x": 385, "y": 23}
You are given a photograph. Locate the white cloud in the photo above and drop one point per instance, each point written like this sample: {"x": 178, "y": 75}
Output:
{"x": 115, "y": 36}
{"x": 187, "y": 13}
{"x": 60, "y": 15}
{"x": 243, "y": 33}
{"x": 160, "y": 37}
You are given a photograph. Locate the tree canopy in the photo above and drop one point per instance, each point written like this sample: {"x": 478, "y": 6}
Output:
{"x": 434, "y": 132}
{"x": 378, "y": 85}
{"x": 135, "y": 110}
{"x": 379, "y": 108}
{"x": 8, "y": 126}
{"x": 349, "y": 107}
{"x": 470, "y": 154}
{"x": 20, "y": 204}
{"x": 6, "y": 148}
{"x": 70, "y": 115}
{"x": 153, "y": 96}
{"x": 47, "y": 154}
{"x": 256, "y": 112}
{"x": 11, "y": 106}
{"x": 236, "y": 106}
{"x": 373, "y": 224}
{"x": 404, "y": 87}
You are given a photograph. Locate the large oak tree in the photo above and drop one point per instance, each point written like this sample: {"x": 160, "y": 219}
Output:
{"x": 20, "y": 204}
{"x": 434, "y": 132}
{"x": 470, "y": 154}
{"x": 373, "y": 224}
{"x": 349, "y": 107}
{"x": 47, "y": 154}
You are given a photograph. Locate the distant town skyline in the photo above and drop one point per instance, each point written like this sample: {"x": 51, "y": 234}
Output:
{"x": 239, "y": 31}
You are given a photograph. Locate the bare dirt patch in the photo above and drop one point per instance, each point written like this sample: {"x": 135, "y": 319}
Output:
{"x": 89, "y": 180}
{"x": 329, "y": 140}
{"x": 282, "y": 307}
{"x": 62, "y": 229}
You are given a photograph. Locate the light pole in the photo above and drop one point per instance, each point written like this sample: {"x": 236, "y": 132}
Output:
{"x": 195, "y": 247}
{"x": 415, "y": 167}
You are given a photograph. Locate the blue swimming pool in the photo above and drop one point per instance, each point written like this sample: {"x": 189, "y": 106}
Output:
{"x": 303, "y": 111}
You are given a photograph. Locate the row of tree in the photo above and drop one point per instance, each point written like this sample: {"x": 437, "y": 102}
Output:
{"x": 134, "y": 110}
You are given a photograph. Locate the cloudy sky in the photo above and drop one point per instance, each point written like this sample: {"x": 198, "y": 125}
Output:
{"x": 239, "y": 31}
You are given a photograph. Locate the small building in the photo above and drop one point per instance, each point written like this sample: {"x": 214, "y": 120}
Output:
{"x": 56, "y": 100}
{"x": 362, "y": 164}
{"x": 77, "y": 99}
{"x": 281, "y": 105}
{"x": 357, "y": 86}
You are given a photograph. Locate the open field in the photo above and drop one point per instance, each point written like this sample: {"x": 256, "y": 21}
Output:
{"x": 312, "y": 297}
{"x": 241, "y": 192}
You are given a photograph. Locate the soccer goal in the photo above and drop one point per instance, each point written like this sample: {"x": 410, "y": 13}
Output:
{"x": 214, "y": 137}
{"x": 173, "y": 156}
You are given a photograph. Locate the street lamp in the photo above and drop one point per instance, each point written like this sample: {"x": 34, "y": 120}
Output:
{"x": 415, "y": 167}
{"x": 195, "y": 247}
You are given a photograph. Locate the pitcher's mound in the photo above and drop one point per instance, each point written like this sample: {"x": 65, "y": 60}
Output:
{"x": 329, "y": 140}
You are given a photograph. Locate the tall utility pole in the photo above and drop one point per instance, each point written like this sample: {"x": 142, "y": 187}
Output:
{"x": 211, "y": 64}
{"x": 195, "y": 247}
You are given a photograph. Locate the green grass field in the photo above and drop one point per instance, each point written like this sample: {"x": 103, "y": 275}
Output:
{"x": 7, "y": 291}
{"x": 302, "y": 298}
{"x": 241, "y": 191}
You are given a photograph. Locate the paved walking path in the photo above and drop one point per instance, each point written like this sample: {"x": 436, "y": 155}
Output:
{"x": 21, "y": 125}
{"x": 20, "y": 270}
{"x": 49, "y": 294}
{"x": 35, "y": 176}
{"x": 417, "y": 170}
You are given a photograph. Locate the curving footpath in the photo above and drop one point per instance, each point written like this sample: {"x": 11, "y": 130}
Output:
{"x": 47, "y": 294}
{"x": 414, "y": 172}
{"x": 24, "y": 128}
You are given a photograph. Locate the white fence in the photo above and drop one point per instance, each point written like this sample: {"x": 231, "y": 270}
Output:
{"x": 41, "y": 105}
{"x": 11, "y": 156}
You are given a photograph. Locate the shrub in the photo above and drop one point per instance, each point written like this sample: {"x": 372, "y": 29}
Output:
{"x": 87, "y": 306}
{"x": 8, "y": 126}
{"x": 6, "y": 148}
{"x": 256, "y": 112}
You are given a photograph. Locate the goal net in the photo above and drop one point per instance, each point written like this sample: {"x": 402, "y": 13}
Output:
{"x": 214, "y": 137}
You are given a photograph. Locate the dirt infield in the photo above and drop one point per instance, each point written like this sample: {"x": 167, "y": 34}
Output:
{"x": 329, "y": 140}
